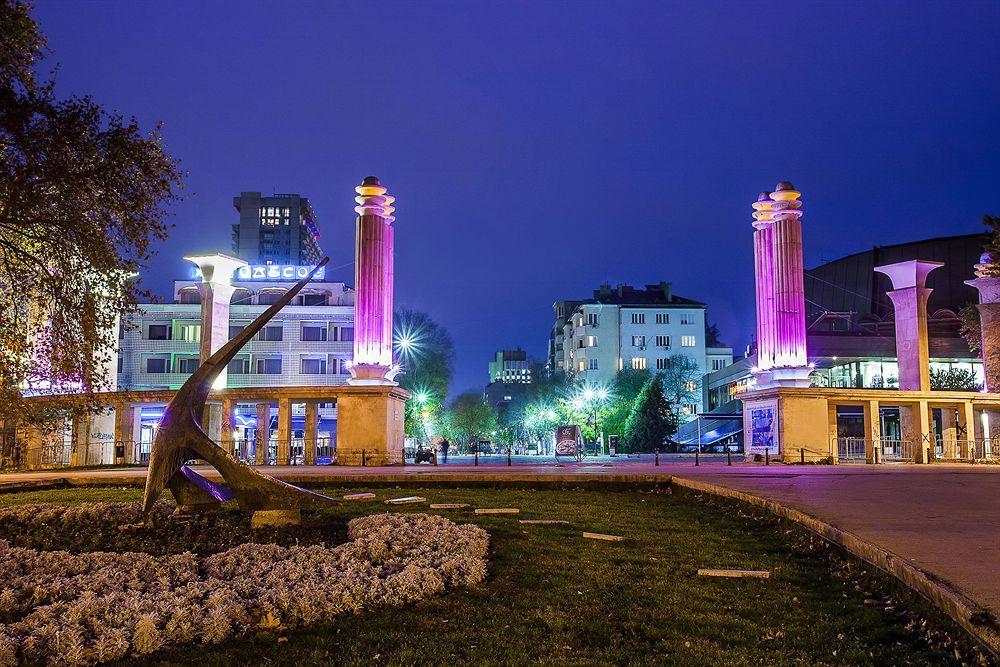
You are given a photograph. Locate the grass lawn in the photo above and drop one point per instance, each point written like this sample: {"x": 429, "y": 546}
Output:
{"x": 553, "y": 597}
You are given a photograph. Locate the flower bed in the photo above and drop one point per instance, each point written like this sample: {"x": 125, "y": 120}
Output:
{"x": 92, "y": 607}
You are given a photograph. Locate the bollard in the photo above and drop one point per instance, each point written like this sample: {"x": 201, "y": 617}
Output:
{"x": 729, "y": 457}
{"x": 508, "y": 456}
{"x": 697, "y": 456}
{"x": 475, "y": 460}
{"x": 435, "y": 456}
{"x": 802, "y": 455}
{"x": 657, "y": 460}
{"x": 362, "y": 458}
{"x": 767, "y": 456}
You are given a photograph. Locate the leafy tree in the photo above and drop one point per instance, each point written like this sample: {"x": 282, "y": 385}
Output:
{"x": 83, "y": 193}
{"x": 954, "y": 379}
{"x": 651, "y": 421}
{"x": 628, "y": 383}
{"x": 427, "y": 361}
{"x": 992, "y": 245}
{"x": 681, "y": 382}
{"x": 971, "y": 327}
{"x": 469, "y": 418}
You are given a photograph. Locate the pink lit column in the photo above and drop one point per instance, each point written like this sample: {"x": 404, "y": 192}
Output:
{"x": 373, "y": 276}
{"x": 781, "y": 324}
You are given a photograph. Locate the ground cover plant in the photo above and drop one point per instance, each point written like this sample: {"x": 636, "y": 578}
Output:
{"x": 552, "y": 597}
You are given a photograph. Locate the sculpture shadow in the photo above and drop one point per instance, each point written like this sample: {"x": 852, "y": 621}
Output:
{"x": 181, "y": 438}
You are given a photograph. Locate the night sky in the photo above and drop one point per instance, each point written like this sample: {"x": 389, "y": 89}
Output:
{"x": 539, "y": 149}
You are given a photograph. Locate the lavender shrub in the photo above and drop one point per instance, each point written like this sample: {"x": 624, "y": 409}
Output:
{"x": 58, "y": 607}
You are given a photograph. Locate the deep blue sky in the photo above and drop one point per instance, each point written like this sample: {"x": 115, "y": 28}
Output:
{"x": 540, "y": 148}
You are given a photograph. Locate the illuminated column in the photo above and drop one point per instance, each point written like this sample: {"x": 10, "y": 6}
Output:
{"x": 909, "y": 296}
{"x": 284, "y": 431}
{"x": 373, "y": 275}
{"x": 216, "y": 289}
{"x": 309, "y": 441}
{"x": 987, "y": 282}
{"x": 781, "y": 323}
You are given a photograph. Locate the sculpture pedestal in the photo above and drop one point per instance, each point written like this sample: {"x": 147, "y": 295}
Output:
{"x": 275, "y": 518}
{"x": 370, "y": 426}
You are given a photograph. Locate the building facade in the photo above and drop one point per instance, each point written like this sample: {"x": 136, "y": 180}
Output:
{"x": 280, "y": 229}
{"x": 510, "y": 366}
{"x": 593, "y": 339}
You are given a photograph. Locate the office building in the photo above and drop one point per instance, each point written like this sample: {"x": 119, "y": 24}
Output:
{"x": 279, "y": 229}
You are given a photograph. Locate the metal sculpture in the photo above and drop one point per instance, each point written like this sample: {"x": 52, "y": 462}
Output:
{"x": 181, "y": 438}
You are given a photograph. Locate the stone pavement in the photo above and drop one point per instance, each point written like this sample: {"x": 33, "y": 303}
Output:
{"x": 943, "y": 519}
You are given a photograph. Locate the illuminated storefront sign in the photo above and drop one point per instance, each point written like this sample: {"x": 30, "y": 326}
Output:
{"x": 277, "y": 272}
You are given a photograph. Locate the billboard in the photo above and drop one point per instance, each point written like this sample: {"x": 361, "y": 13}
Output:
{"x": 762, "y": 427}
{"x": 567, "y": 440}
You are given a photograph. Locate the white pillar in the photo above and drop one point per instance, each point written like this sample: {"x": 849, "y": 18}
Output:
{"x": 909, "y": 296}
{"x": 216, "y": 289}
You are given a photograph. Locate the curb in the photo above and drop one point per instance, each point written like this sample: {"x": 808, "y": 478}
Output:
{"x": 973, "y": 618}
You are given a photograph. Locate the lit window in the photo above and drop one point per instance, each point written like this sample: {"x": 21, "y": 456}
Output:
{"x": 688, "y": 341}
{"x": 687, "y": 318}
{"x": 691, "y": 386}
{"x": 638, "y": 341}
{"x": 582, "y": 365}
{"x": 189, "y": 332}
{"x": 639, "y": 363}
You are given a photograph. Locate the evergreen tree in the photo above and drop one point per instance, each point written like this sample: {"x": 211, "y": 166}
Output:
{"x": 651, "y": 420}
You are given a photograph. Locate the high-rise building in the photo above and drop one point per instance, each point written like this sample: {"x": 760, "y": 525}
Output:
{"x": 510, "y": 366}
{"x": 280, "y": 229}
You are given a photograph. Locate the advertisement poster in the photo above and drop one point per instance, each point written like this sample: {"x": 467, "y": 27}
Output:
{"x": 763, "y": 429}
{"x": 567, "y": 440}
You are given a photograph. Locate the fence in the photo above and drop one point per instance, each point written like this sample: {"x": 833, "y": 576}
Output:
{"x": 851, "y": 450}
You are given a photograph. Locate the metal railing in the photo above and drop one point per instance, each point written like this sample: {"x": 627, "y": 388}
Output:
{"x": 851, "y": 450}
{"x": 892, "y": 450}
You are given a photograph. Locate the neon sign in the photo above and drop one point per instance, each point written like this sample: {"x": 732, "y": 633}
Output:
{"x": 277, "y": 272}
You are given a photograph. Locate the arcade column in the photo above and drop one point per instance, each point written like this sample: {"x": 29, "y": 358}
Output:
{"x": 216, "y": 290}
{"x": 987, "y": 282}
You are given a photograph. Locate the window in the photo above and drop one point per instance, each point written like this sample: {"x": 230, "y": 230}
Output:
{"x": 188, "y": 331}
{"x": 239, "y": 366}
{"x": 638, "y": 318}
{"x": 158, "y": 365}
{"x": 235, "y": 329}
{"x": 663, "y": 318}
{"x": 592, "y": 319}
{"x": 313, "y": 331}
{"x": 687, "y": 318}
{"x": 582, "y": 365}
{"x": 591, "y": 341}
{"x": 638, "y": 341}
{"x": 346, "y": 333}
{"x": 314, "y": 300}
{"x": 718, "y": 364}
{"x": 190, "y": 296}
{"x": 313, "y": 367}
{"x": 688, "y": 341}
{"x": 269, "y": 298}
{"x": 159, "y": 332}
{"x": 592, "y": 365}
{"x": 188, "y": 364}
{"x": 639, "y": 363}
{"x": 270, "y": 333}
{"x": 691, "y": 385}
{"x": 662, "y": 363}
{"x": 663, "y": 341}
{"x": 342, "y": 366}
{"x": 579, "y": 344}
{"x": 269, "y": 365}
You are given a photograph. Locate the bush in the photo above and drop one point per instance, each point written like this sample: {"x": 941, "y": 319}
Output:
{"x": 100, "y": 606}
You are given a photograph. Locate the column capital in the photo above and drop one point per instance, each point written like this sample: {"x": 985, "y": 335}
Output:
{"x": 217, "y": 268}
{"x": 911, "y": 273}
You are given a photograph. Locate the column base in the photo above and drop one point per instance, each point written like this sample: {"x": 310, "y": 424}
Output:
{"x": 798, "y": 376}
{"x": 371, "y": 374}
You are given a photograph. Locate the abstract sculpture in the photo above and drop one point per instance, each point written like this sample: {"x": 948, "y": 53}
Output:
{"x": 181, "y": 438}
{"x": 373, "y": 275}
{"x": 781, "y": 322}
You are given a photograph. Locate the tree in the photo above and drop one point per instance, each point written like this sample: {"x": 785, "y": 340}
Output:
{"x": 954, "y": 379}
{"x": 470, "y": 418}
{"x": 83, "y": 193}
{"x": 628, "y": 383}
{"x": 651, "y": 420}
{"x": 681, "y": 382}
{"x": 971, "y": 327}
{"x": 992, "y": 245}
{"x": 426, "y": 354}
